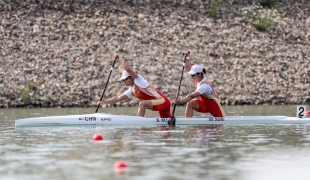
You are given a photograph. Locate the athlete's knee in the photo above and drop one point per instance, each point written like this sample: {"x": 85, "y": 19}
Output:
{"x": 140, "y": 103}
{"x": 143, "y": 104}
{"x": 192, "y": 104}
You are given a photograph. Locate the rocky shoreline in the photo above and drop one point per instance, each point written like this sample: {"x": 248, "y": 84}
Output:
{"x": 59, "y": 53}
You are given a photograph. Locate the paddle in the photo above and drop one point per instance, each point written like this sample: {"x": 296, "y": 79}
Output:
{"x": 106, "y": 84}
{"x": 172, "y": 120}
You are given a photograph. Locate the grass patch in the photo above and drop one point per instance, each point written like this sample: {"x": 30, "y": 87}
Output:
{"x": 25, "y": 92}
{"x": 267, "y": 3}
{"x": 260, "y": 17}
{"x": 213, "y": 9}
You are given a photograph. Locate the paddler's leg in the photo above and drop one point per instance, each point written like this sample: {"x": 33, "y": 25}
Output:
{"x": 145, "y": 104}
{"x": 190, "y": 107}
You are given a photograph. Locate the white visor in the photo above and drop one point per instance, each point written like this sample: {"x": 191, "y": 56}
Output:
{"x": 195, "y": 69}
{"x": 124, "y": 75}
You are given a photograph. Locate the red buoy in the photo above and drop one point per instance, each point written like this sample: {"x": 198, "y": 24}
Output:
{"x": 97, "y": 137}
{"x": 119, "y": 164}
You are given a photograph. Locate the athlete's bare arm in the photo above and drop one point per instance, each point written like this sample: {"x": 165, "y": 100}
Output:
{"x": 187, "y": 98}
{"x": 131, "y": 72}
{"x": 114, "y": 100}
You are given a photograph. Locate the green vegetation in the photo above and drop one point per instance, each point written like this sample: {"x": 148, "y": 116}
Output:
{"x": 213, "y": 8}
{"x": 25, "y": 96}
{"x": 29, "y": 87}
{"x": 267, "y": 3}
{"x": 260, "y": 17}
{"x": 25, "y": 92}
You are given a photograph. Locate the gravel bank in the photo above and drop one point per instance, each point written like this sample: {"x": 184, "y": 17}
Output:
{"x": 65, "y": 49}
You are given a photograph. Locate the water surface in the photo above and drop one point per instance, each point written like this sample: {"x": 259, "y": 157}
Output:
{"x": 246, "y": 152}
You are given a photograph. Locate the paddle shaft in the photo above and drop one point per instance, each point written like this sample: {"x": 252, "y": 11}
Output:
{"x": 106, "y": 85}
{"x": 172, "y": 121}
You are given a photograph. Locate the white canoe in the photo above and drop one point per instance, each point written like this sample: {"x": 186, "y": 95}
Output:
{"x": 110, "y": 119}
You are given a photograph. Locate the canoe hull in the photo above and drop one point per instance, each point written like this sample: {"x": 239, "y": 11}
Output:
{"x": 110, "y": 119}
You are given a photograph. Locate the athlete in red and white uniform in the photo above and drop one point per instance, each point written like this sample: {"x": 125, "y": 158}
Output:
{"x": 151, "y": 97}
{"x": 208, "y": 101}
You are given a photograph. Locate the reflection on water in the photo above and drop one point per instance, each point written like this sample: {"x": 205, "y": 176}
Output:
{"x": 251, "y": 152}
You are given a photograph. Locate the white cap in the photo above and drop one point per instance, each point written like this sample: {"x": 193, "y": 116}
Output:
{"x": 195, "y": 69}
{"x": 124, "y": 75}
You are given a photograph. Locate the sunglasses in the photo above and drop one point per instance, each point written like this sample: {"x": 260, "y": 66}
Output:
{"x": 193, "y": 75}
{"x": 124, "y": 80}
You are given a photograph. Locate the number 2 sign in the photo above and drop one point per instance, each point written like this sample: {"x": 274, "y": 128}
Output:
{"x": 301, "y": 111}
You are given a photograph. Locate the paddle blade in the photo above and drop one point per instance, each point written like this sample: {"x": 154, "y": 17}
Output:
{"x": 172, "y": 121}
